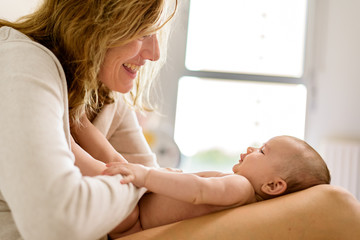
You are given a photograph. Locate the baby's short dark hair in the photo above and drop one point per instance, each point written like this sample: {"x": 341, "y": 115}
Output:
{"x": 305, "y": 169}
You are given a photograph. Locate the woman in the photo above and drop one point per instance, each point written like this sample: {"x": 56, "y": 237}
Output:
{"x": 63, "y": 61}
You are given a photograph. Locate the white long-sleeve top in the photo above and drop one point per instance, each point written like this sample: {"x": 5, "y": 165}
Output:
{"x": 42, "y": 194}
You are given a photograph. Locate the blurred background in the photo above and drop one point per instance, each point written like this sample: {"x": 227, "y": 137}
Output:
{"x": 242, "y": 71}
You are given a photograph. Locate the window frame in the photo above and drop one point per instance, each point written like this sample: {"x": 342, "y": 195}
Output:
{"x": 175, "y": 67}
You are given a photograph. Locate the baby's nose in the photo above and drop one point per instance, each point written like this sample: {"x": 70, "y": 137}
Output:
{"x": 250, "y": 149}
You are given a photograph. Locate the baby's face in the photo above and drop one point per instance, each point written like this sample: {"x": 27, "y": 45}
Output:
{"x": 260, "y": 165}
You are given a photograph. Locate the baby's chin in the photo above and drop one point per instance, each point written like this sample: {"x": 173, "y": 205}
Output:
{"x": 235, "y": 168}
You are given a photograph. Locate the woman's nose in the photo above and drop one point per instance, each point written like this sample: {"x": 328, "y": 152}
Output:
{"x": 150, "y": 48}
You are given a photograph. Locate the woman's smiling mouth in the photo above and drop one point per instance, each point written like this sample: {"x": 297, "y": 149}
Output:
{"x": 132, "y": 68}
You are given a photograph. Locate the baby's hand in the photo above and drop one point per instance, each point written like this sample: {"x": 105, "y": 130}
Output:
{"x": 132, "y": 173}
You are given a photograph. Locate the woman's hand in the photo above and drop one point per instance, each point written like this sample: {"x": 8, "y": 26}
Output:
{"x": 132, "y": 173}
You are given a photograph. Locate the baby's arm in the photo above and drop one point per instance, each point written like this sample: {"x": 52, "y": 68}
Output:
{"x": 94, "y": 142}
{"x": 225, "y": 190}
{"x": 210, "y": 174}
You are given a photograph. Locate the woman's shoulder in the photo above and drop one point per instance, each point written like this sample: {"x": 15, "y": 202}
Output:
{"x": 8, "y": 33}
{"x": 21, "y": 55}
{"x": 13, "y": 41}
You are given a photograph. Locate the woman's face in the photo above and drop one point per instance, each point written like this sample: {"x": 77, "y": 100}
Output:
{"x": 122, "y": 63}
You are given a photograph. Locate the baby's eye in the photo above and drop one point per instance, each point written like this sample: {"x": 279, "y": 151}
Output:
{"x": 262, "y": 150}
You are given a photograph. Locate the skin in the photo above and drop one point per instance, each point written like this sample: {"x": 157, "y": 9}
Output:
{"x": 207, "y": 192}
{"x": 322, "y": 212}
{"x": 95, "y": 149}
{"x": 119, "y": 77}
{"x": 260, "y": 165}
{"x": 118, "y": 73}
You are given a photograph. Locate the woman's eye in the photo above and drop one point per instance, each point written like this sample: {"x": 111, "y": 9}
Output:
{"x": 144, "y": 37}
{"x": 262, "y": 150}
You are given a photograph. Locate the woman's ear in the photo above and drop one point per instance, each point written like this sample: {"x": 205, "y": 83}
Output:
{"x": 275, "y": 187}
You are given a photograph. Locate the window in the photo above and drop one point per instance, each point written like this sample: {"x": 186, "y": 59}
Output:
{"x": 243, "y": 81}
{"x": 247, "y": 36}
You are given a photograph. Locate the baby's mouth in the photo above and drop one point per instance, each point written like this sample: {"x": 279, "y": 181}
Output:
{"x": 242, "y": 157}
{"x": 131, "y": 67}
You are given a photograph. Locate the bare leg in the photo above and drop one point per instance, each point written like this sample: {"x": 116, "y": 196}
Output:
{"x": 130, "y": 225}
{"x": 134, "y": 229}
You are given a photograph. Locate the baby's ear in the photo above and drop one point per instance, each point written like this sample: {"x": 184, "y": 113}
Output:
{"x": 275, "y": 187}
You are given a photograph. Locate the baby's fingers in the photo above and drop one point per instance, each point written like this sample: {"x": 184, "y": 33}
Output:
{"x": 116, "y": 169}
{"x": 127, "y": 179}
{"x": 128, "y": 176}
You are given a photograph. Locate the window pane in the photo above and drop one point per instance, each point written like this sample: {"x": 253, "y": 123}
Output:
{"x": 216, "y": 120}
{"x": 263, "y": 37}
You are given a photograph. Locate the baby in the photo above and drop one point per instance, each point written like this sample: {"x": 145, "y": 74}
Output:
{"x": 283, "y": 165}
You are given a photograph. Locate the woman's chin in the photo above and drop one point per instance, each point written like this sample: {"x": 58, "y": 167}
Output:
{"x": 124, "y": 88}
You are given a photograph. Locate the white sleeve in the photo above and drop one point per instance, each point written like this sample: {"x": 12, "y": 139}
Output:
{"x": 47, "y": 196}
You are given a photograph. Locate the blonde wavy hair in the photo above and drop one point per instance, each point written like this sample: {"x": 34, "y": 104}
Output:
{"x": 79, "y": 33}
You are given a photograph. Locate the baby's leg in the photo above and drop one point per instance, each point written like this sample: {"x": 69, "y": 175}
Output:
{"x": 130, "y": 225}
{"x": 135, "y": 228}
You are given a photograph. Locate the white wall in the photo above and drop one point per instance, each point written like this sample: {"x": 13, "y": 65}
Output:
{"x": 12, "y": 9}
{"x": 334, "y": 102}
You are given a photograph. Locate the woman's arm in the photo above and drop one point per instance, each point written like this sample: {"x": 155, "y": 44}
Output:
{"x": 94, "y": 142}
{"x": 124, "y": 133}
{"x": 88, "y": 165}
{"x": 224, "y": 190}
{"x": 43, "y": 195}
{"x": 322, "y": 212}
